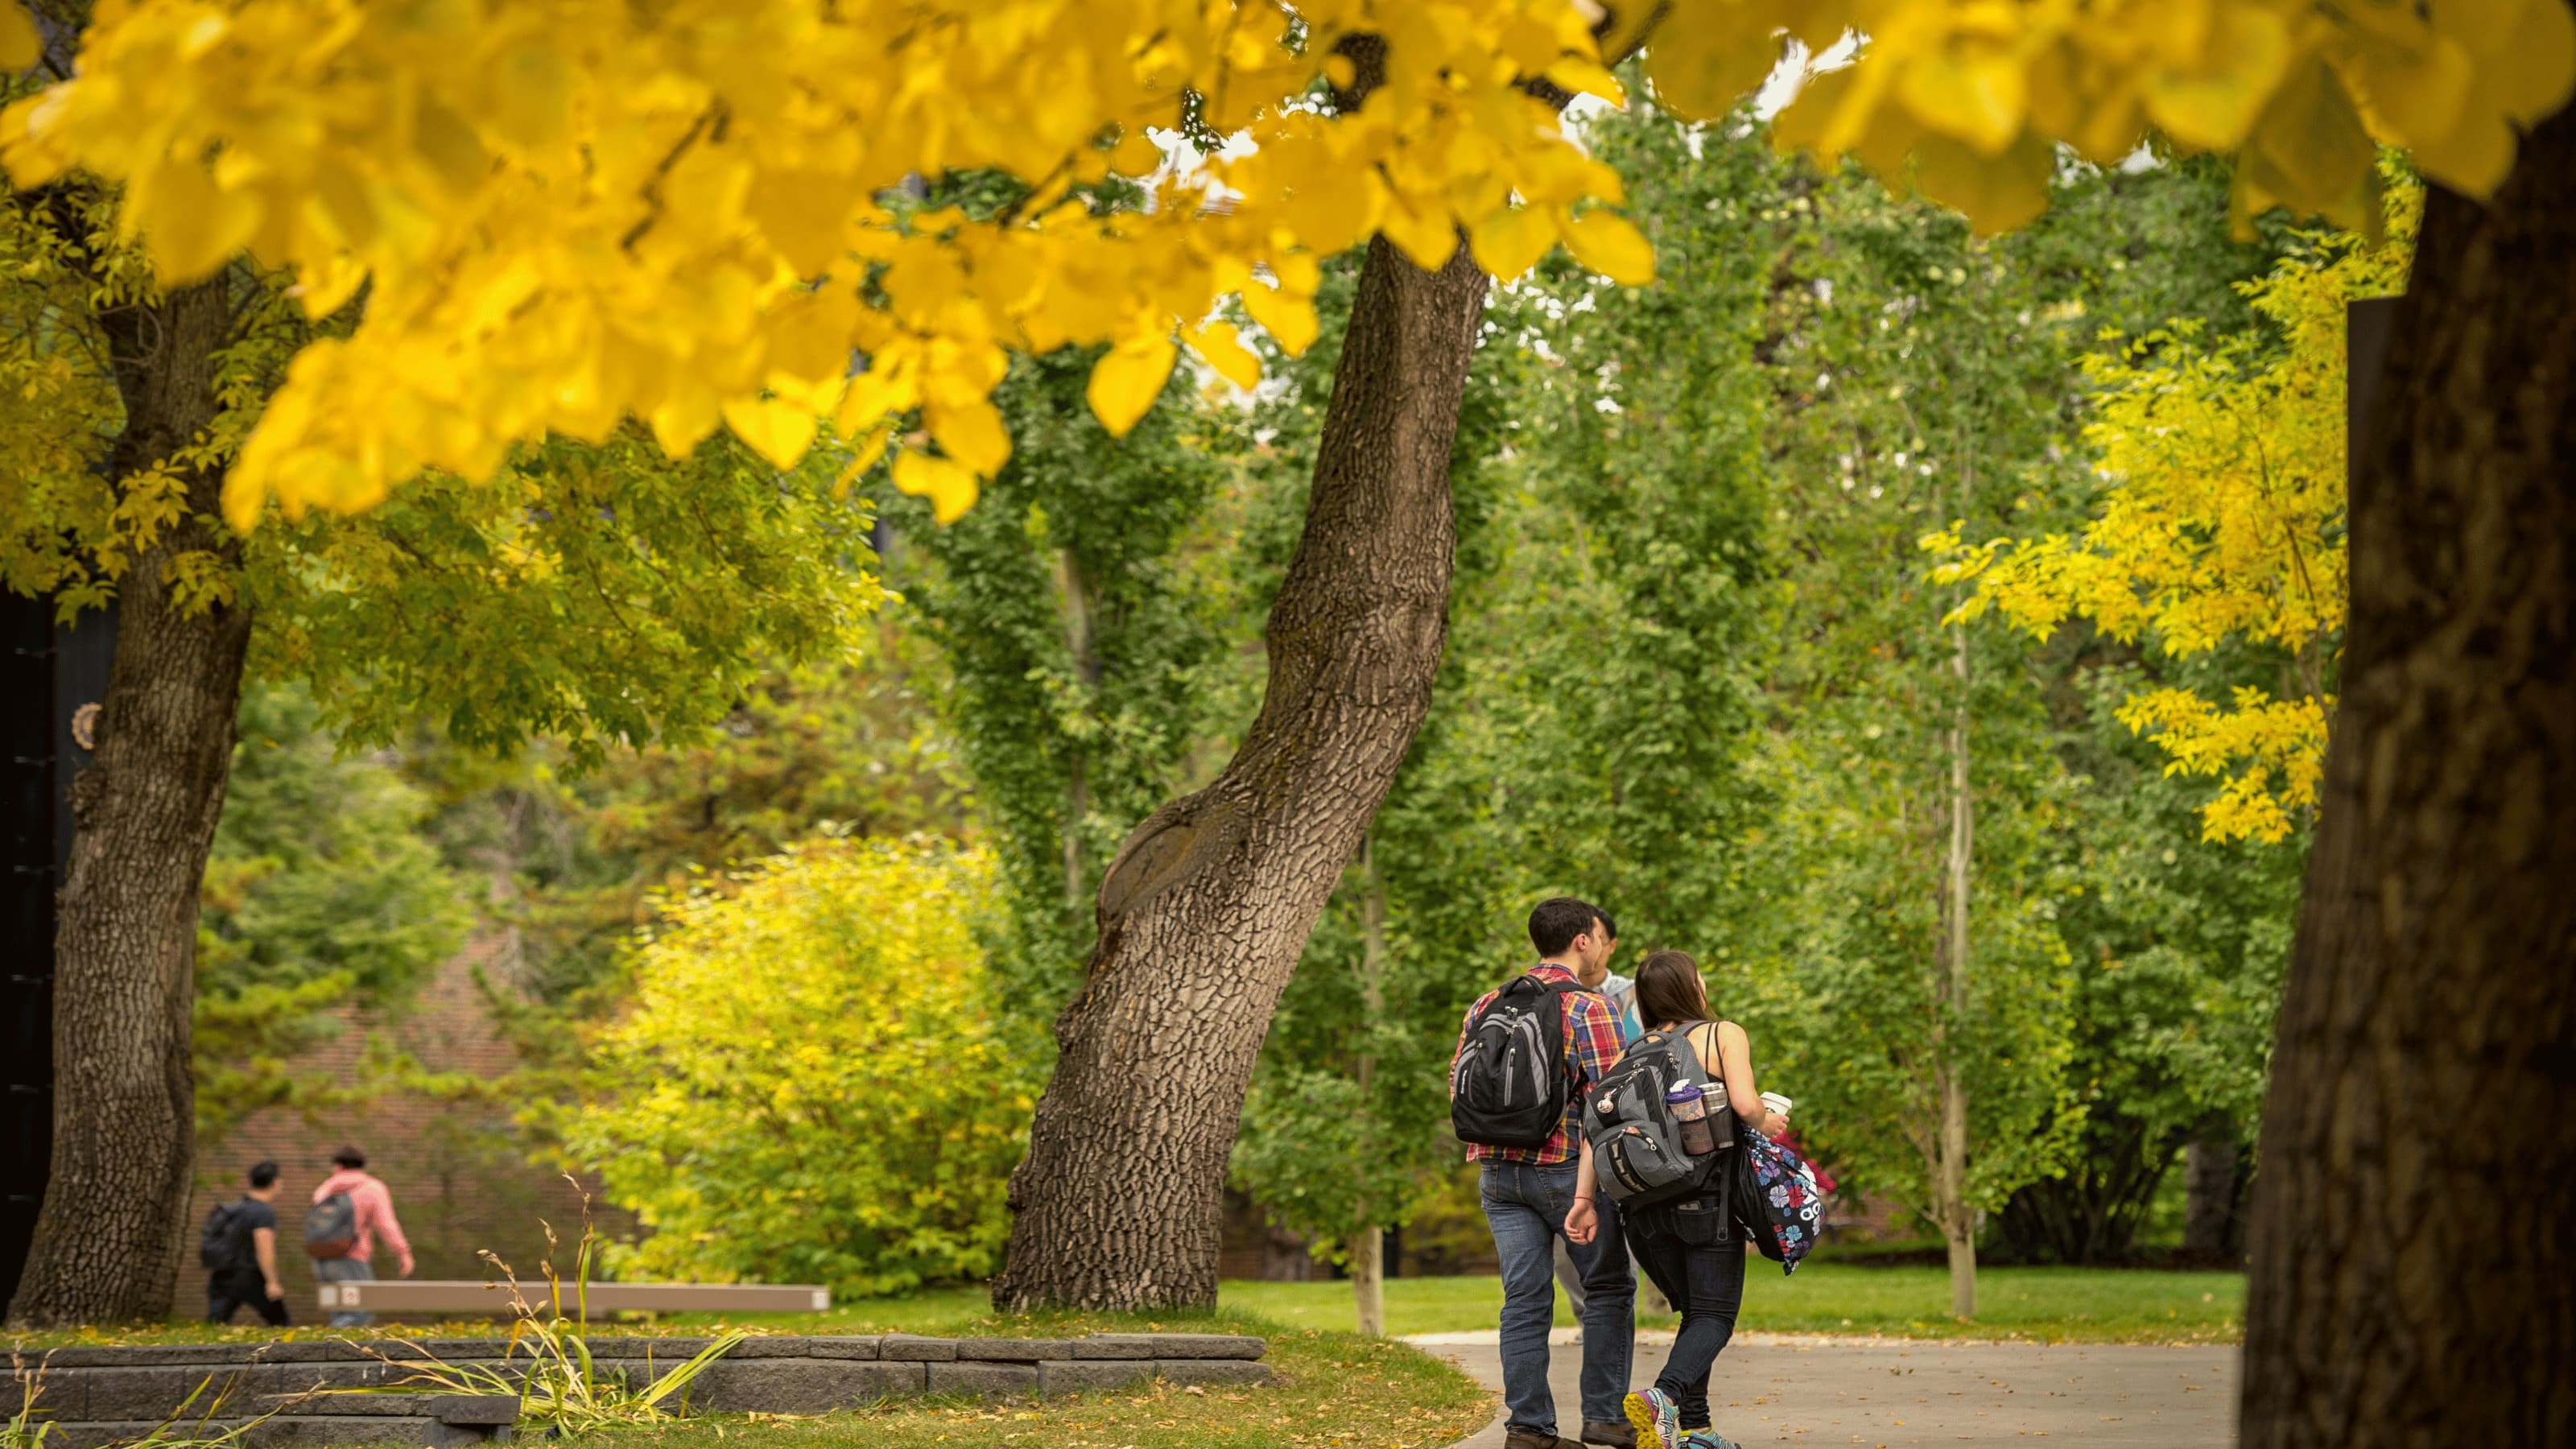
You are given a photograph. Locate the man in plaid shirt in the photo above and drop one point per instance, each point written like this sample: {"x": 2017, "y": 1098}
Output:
{"x": 1527, "y": 1193}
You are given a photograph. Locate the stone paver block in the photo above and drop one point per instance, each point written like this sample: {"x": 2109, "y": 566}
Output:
{"x": 923, "y": 1350}
{"x": 659, "y": 1350}
{"x": 140, "y": 1354}
{"x": 799, "y": 1386}
{"x": 1117, "y": 1345}
{"x": 156, "y": 1393}
{"x": 797, "y": 1345}
{"x": 471, "y": 1408}
{"x": 1013, "y": 1350}
{"x": 288, "y": 1431}
{"x": 1205, "y": 1345}
{"x": 1075, "y": 1375}
{"x": 990, "y": 1380}
{"x": 1212, "y": 1371}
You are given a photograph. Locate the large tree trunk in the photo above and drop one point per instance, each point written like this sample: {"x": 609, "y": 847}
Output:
{"x": 107, "y": 1239}
{"x": 2414, "y": 1228}
{"x": 1207, "y": 906}
{"x": 2211, "y": 1231}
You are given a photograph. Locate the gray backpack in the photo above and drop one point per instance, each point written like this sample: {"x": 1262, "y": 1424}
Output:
{"x": 331, "y": 1227}
{"x": 1636, "y": 1142}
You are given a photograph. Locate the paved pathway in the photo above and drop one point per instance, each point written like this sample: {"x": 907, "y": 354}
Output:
{"x": 1772, "y": 1389}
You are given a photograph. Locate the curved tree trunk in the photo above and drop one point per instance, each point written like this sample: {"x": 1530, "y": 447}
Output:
{"x": 1208, "y": 905}
{"x": 108, "y": 1237}
{"x": 2414, "y": 1226}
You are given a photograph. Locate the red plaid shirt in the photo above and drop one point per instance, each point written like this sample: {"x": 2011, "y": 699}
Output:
{"x": 1591, "y": 1045}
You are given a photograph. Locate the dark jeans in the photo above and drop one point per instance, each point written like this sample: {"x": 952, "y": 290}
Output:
{"x": 1688, "y": 1251}
{"x": 1526, "y": 1206}
{"x": 229, "y": 1293}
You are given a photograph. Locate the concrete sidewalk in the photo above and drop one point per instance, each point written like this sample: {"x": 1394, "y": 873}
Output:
{"x": 1779, "y": 1388}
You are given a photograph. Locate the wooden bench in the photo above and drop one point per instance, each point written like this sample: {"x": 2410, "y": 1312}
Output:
{"x": 459, "y": 1295}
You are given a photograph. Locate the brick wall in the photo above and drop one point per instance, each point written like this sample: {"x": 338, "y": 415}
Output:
{"x": 460, "y": 1182}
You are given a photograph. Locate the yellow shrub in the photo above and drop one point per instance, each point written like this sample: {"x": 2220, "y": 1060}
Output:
{"x": 812, "y": 1085}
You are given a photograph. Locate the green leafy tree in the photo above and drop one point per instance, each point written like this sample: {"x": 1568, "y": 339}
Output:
{"x": 1078, "y": 636}
{"x": 1592, "y": 718}
{"x": 855, "y": 744}
{"x": 1907, "y": 974}
{"x": 323, "y": 891}
{"x": 813, "y": 1083}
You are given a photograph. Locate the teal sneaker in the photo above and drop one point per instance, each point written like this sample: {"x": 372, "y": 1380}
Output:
{"x": 1708, "y": 1439}
{"x": 1656, "y": 1418}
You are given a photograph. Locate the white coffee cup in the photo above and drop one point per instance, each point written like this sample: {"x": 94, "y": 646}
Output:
{"x": 1776, "y": 1103}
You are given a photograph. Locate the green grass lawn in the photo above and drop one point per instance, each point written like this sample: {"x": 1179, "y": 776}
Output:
{"x": 2105, "y": 1305}
{"x": 1332, "y": 1391}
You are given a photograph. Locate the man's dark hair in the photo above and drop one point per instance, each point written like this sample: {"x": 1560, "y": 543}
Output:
{"x": 1609, "y": 926}
{"x": 1555, "y": 924}
{"x": 348, "y": 1157}
{"x": 262, "y": 1173}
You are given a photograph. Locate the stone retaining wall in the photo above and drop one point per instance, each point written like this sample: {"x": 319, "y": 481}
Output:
{"x": 100, "y": 1395}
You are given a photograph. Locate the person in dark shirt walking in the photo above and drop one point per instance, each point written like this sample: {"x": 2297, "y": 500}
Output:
{"x": 247, "y": 1274}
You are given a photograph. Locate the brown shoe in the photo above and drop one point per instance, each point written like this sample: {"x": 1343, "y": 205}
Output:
{"x": 1532, "y": 1439}
{"x": 1619, "y": 1436}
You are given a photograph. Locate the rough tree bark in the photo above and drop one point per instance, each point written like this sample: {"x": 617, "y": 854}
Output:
{"x": 1207, "y": 906}
{"x": 107, "y": 1238}
{"x": 2210, "y": 1229}
{"x": 2414, "y": 1227}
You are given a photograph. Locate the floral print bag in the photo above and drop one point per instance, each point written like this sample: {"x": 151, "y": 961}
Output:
{"x": 1775, "y": 1199}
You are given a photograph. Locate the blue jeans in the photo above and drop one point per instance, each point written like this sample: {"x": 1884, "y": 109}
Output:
{"x": 1526, "y": 1206}
{"x": 345, "y": 1270}
{"x": 1689, "y": 1252}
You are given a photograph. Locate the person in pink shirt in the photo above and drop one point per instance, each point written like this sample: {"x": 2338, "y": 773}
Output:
{"x": 350, "y": 1207}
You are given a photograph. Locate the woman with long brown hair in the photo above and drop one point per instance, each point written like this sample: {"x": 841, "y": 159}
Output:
{"x": 1687, "y": 1247}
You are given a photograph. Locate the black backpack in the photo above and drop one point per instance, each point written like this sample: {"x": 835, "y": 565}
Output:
{"x": 223, "y": 1243}
{"x": 1511, "y": 1082}
{"x": 1636, "y": 1140}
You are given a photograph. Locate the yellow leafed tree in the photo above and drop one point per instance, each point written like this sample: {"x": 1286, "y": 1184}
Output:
{"x": 2222, "y": 517}
{"x": 567, "y": 211}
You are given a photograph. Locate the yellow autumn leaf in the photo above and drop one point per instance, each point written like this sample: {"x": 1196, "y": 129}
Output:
{"x": 875, "y": 394}
{"x": 685, "y": 418}
{"x": 2212, "y": 107}
{"x": 528, "y": 101}
{"x": 1427, "y": 234}
{"x": 1290, "y": 321}
{"x": 1127, "y": 379}
{"x": 1510, "y": 241}
{"x": 950, "y": 486}
{"x": 1584, "y": 76}
{"x": 1610, "y": 244}
{"x": 1709, "y": 54}
{"x": 20, "y": 43}
{"x": 1995, "y": 193}
{"x": 1224, "y": 351}
{"x": 2528, "y": 71}
{"x": 973, "y": 434}
{"x": 1979, "y": 98}
{"x": 199, "y": 225}
{"x": 862, "y": 458}
{"x": 2472, "y": 157}
{"x": 2311, "y": 150}
{"x": 775, "y": 428}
